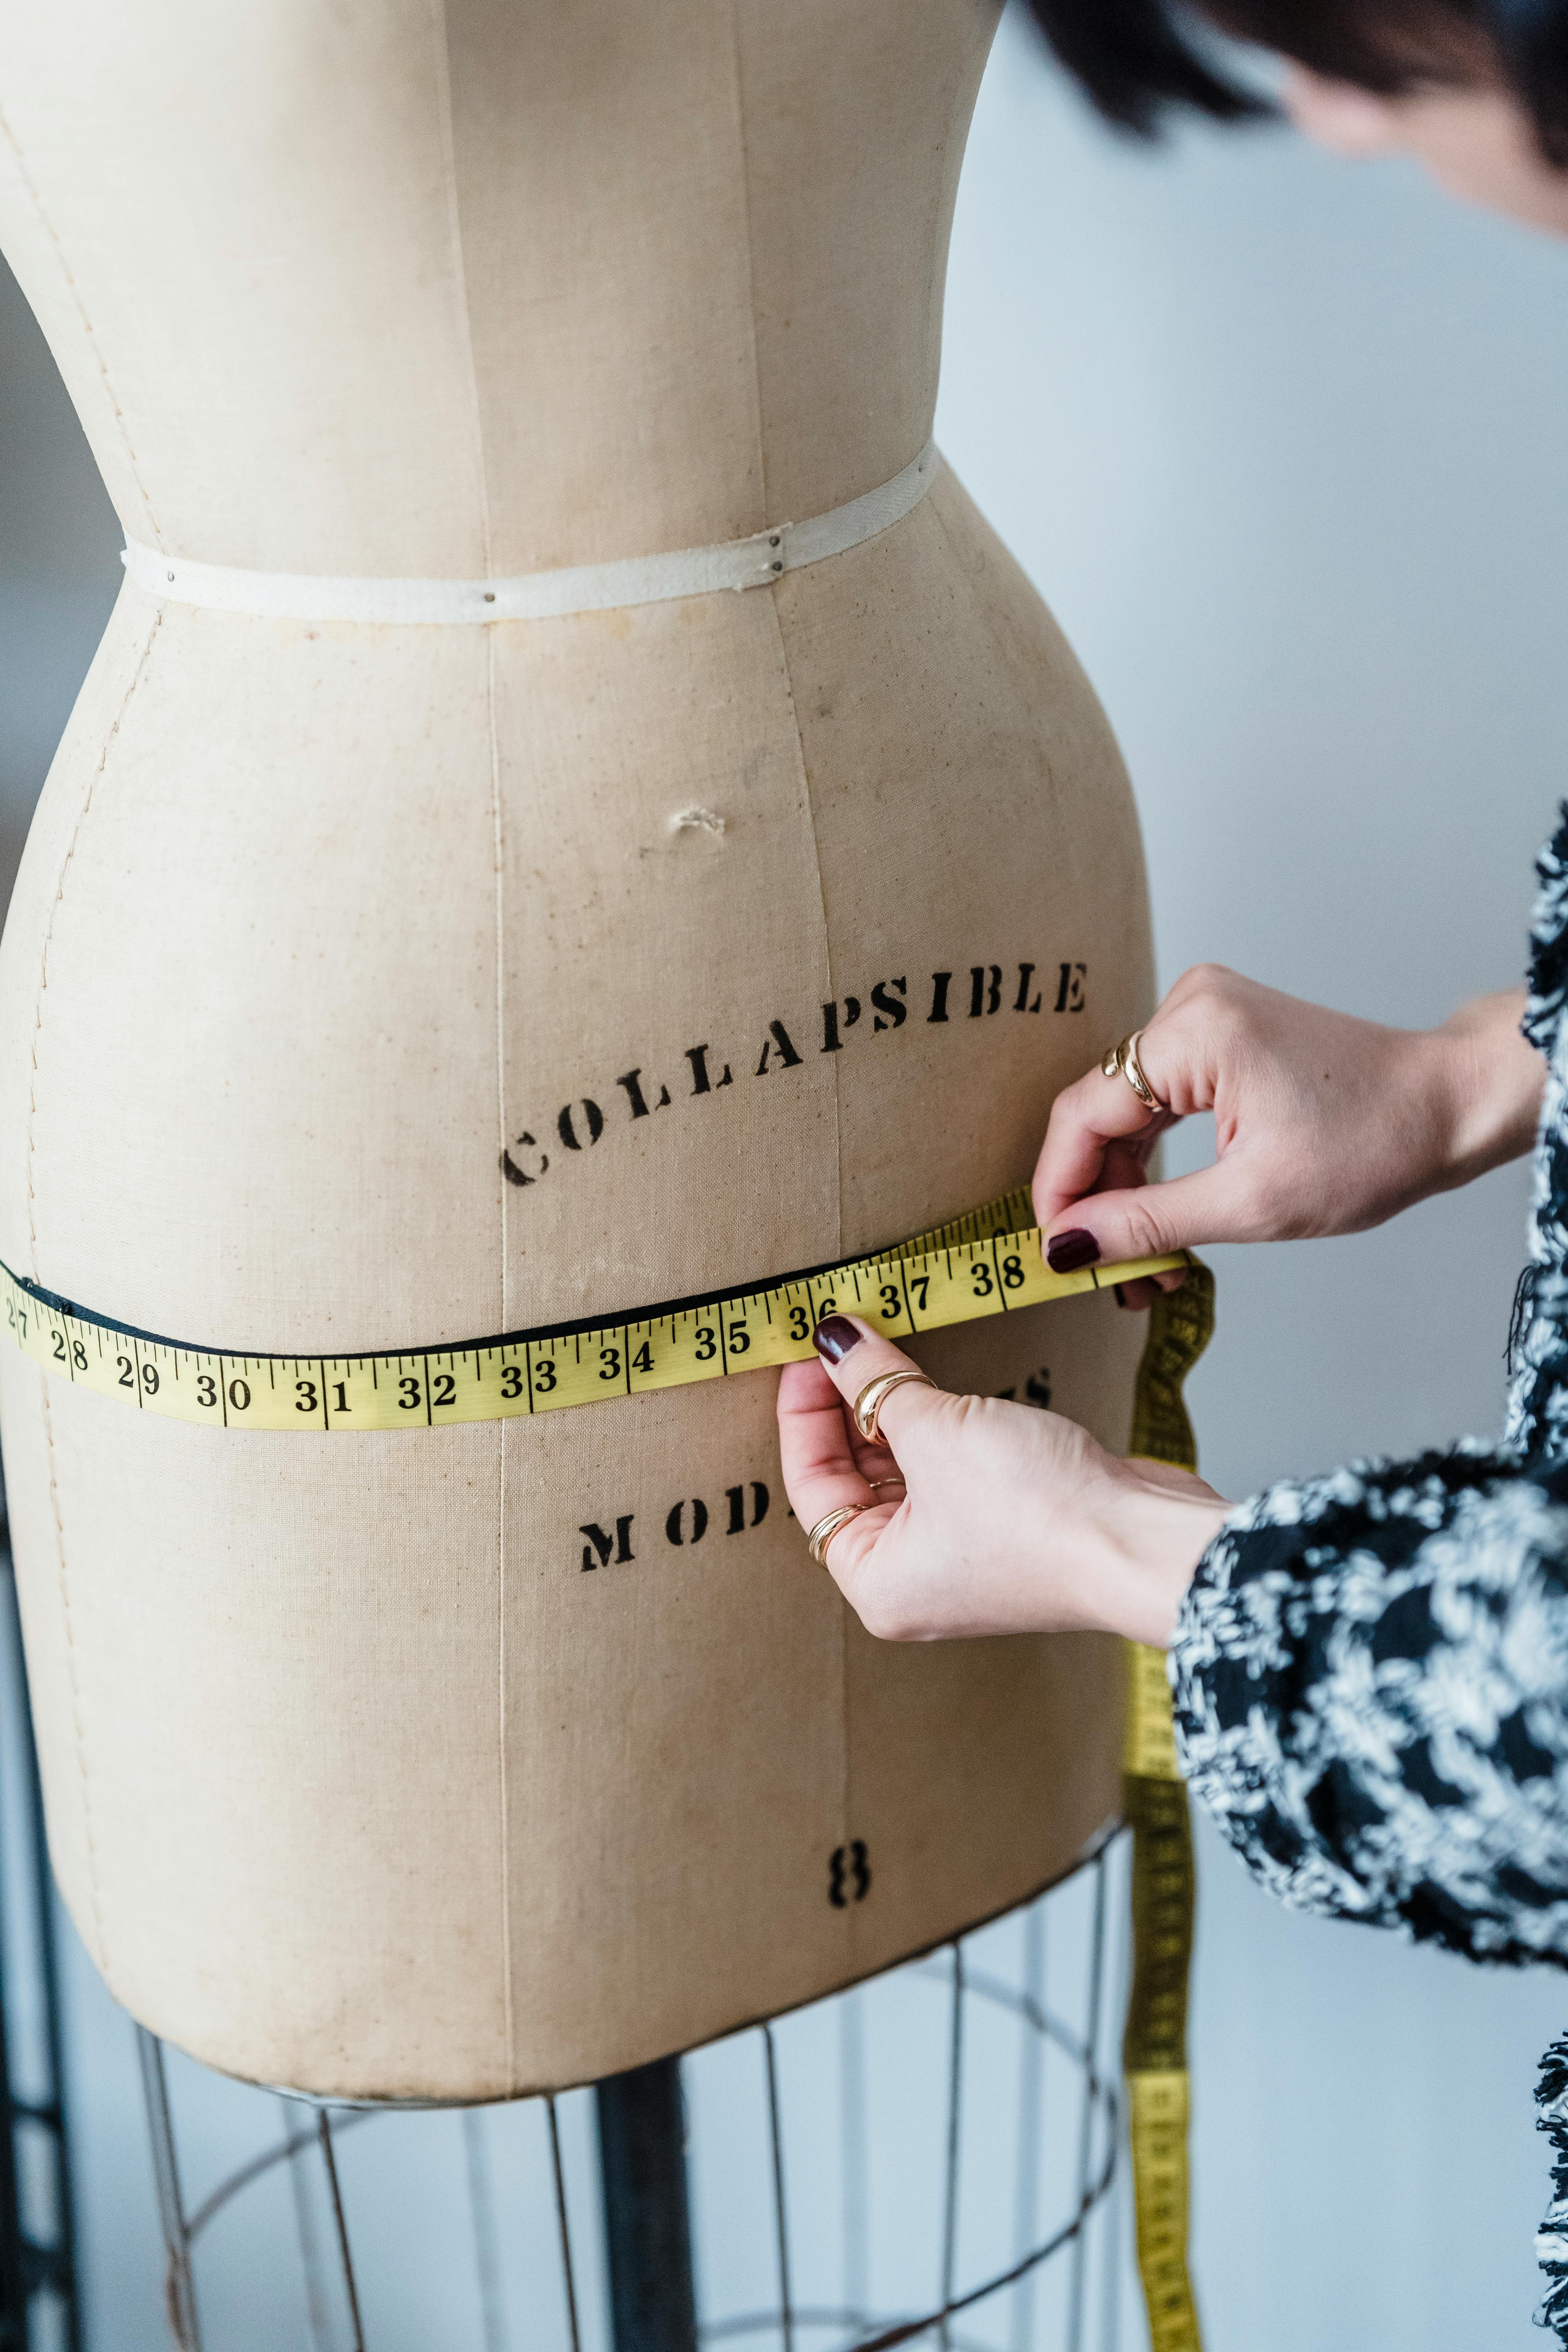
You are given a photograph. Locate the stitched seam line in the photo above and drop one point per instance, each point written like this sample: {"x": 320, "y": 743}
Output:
{"x": 53, "y": 235}
{"x": 764, "y": 510}
{"x": 460, "y": 271}
{"x": 102, "y": 1956}
{"x": 49, "y": 927}
{"x": 501, "y": 1756}
{"x": 79, "y": 1734}
{"x": 822, "y": 903}
{"x": 847, "y": 1792}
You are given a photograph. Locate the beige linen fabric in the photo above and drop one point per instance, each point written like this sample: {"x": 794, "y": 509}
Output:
{"x": 459, "y": 1763}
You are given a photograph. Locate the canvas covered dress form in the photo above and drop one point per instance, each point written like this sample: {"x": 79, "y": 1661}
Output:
{"x": 379, "y": 984}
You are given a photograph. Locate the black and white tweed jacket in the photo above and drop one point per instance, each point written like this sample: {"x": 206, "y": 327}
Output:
{"x": 1371, "y": 1668}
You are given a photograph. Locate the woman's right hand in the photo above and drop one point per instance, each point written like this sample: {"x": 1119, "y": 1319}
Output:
{"x": 986, "y": 1517}
{"x": 1323, "y": 1124}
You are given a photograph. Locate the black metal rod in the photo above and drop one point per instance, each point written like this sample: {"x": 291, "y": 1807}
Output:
{"x": 293, "y": 2153}
{"x": 63, "y": 2254}
{"x": 954, "y": 2126}
{"x": 569, "y": 2276}
{"x": 14, "y": 2280}
{"x": 781, "y": 2219}
{"x": 339, "y": 2219}
{"x": 647, "y": 2225}
{"x": 179, "y": 2287}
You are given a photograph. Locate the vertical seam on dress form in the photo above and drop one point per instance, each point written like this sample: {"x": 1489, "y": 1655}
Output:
{"x": 763, "y": 521}
{"x": 772, "y": 595}
{"x": 454, "y": 228}
{"x": 846, "y": 1791}
{"x": 778, "y": 625}
{"x": 459, "y": 269}
{"x": 763, "y": 517}
{"x": 53, "y": 235}
{"x": 501, "y": 1759}
{"x": 102, "y": 1956}
{"x": 108, "y": 742}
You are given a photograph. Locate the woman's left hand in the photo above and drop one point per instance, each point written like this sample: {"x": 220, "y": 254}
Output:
{"x": 1003, "y": 1520}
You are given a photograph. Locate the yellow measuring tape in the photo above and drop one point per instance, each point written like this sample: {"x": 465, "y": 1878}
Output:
{"x": 983, "y": 1264}
{"x": 1154, "y": 2045}
{"x": 987, "y": 1263}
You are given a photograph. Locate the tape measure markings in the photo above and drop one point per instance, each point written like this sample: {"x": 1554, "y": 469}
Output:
{"x": 1153, "y": 2047}
{"x": 331, "y": 1392}
{"x": 982, "y": 1264}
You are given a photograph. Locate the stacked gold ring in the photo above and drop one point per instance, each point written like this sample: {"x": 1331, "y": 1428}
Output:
{"x": 874, "y": 1394}
{"x": 1122, "y": 1062}
{"x": 828, "y": 1527}
{"x": 819, "y": 1537}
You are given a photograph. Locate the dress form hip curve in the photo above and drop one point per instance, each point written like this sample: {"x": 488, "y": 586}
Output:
{"x": 371, "y": 985}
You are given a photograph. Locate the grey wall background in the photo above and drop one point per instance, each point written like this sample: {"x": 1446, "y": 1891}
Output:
{"x": 1280, "y": 440}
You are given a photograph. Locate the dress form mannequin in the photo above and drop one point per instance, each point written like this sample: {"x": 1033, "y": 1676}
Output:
{"x": 390, "y": 1767}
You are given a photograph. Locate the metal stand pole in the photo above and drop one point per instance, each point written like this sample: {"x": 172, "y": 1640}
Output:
{"x": 647, "y": 2226}
{"x": 15, "y": 2283}
{"x": 179, "y": 2289}
{"x": 37, "y": 2266}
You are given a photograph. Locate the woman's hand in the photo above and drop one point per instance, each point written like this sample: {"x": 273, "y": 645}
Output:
{"x": 1323, "y": 1124}
{"x": 1002, "y": 1519}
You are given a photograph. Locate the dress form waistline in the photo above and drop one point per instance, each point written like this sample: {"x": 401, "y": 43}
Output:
{"x": 753, "y": 563}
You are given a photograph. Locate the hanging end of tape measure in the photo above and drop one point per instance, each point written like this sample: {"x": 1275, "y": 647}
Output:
{"x": 1181, "y": 1325}
{"x": 1158, "y": 2111}
{"x": 1154, "y": 2060}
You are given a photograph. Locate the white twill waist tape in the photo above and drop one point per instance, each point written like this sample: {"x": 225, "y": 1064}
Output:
{"x": 753, "y": 563}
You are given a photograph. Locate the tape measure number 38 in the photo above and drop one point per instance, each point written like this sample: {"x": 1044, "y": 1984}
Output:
{"x": 987, "y": 1263}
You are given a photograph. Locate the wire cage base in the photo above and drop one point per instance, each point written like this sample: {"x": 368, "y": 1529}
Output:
{"x": 934, "y": 2155}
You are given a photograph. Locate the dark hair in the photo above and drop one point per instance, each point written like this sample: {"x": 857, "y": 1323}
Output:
{"x": 1139, "y": 58}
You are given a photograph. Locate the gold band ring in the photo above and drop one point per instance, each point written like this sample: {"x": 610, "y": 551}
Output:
{"x": 828, "y": 1527}
{"x": 1122, "y": 1062}
{"x": 874, "y": 1394}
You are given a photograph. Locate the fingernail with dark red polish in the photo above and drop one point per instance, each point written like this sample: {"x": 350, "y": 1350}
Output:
{"x": 1068, "y": 1251}
{"x": 835, "y": 1336}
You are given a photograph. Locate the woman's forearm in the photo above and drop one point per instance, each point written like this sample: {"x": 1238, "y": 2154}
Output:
{"x": 1488, "y": 1080}
{"x": 1154, "y": 1527}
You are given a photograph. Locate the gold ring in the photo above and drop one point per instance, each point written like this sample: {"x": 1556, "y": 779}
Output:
{"x": 828, "y": 1527}
{"x": 874, "y": 1394}
{"x": 1122, "y": 1062}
